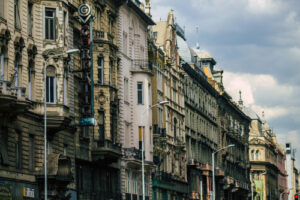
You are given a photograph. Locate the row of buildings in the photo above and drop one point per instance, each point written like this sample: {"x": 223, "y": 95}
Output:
{"x": 136, "y": 64}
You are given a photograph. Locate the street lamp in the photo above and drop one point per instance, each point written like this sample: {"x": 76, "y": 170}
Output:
{"x": 70, "y": 51}
{"x": 213, "y": 167}
{"x": 143, "y": 162}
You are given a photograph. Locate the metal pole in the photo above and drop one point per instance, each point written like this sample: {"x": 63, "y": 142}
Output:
{"x": 92, "y": 70}
{"x": 213, "y": 174}
{"x": 251, "y": 190}
{"x": 45, "y": 130}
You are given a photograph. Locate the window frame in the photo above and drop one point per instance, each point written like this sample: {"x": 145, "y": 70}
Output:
{"x": 48, "y": 35}
{"x": 100, "y": 64}
{"x": 140, "y": 93}
{"x": 48, "y": 87}
{"x": 2, "y": 66}
{"x": 30, "y": 19}
{"x": 17, "y": 18}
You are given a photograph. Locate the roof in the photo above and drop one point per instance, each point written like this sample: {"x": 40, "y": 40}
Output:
{"x": 248, "y": 111}
{"x": 183, "y": 49}
{"x": 203, "y": 55}
{"x": 140, "y": 12}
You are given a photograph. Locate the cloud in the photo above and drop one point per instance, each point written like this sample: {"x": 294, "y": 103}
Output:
{"x": 256, "y": 43}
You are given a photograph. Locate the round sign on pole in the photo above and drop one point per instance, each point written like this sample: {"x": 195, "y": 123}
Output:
{"x": 84, "y": 12}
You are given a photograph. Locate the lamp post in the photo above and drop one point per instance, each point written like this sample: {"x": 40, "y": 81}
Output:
{"x": 143, "y": 160}
{"x": 70, "y": 51}
{"x": 213, "y": 168}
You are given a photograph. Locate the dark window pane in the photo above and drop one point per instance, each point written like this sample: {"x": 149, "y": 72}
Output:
{"x": 47, "y": 89}
{"x": 52, "y": 89}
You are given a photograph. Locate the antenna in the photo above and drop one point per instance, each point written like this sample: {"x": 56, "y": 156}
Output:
{"x": 197, "y": 44}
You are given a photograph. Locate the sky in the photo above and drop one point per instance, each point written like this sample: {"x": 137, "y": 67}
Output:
{"x": 257, "y": 44}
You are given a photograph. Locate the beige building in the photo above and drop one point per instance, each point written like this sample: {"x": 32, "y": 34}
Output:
{"x": 170, "y": 180}
{"x": 263, "y": 158}
{"x": 31, "y": 31}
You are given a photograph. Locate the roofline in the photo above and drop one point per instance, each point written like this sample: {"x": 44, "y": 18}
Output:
{"x": 139, "y": 11}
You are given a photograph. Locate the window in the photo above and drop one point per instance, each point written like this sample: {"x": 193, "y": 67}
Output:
{"x": 30, "y": 19}
{"x": 139, "y": 93}
{"x": 2, "y": 66}
{"x": 128, "y": 181}
{"x": 30, "y": 83}
{"x": 65, "y": 88}
{"x": 125, "y": 43}
{"x": 155, "y": 35}
{"x": 111, "y": 66}
{"x": 16, "y": 76}
{"x": 126, "y": 91}
{"x": 50, "y": 85}
{"x": 175, "y": 128}
{"x": 149, "y": 94}
{"x": 65, "y": 27}
{"x": 159, "y": 80}
{"x": 49, "y": 146}
{"x": 134, "y": 183}
{"x": 31, "y": 152}
{"x": 100, "y": 70}
{"x": 160, "y": 117}
{"x": 17, "y": 14}
{"x": 101, "y": 126}
{"x": 252, "y": 154}
{"x": 18, "y": 150}
{"x": 4, "y": 145}
{"x": 257, "y": 155}
{"x": 50, "y": 24}
{"x": 65, "y": 149}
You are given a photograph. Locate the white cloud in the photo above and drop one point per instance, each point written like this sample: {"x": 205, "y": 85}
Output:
{"x": 263, "y": 6}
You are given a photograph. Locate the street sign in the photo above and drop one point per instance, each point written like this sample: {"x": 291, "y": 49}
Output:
{"x": 84, "y": 12}
{"x": 87, "y": 121}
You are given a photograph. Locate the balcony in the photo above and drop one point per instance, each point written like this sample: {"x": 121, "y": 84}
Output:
{"x": 12, "y": 97}
{"x": 141, "y": 66}
{"x": 133, "y": 153}
{"x": 107, "y": 151}
{"x": 162, "y": 176}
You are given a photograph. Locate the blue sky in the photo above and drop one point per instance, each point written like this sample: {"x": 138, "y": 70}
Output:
{"x": 257, "y": 44}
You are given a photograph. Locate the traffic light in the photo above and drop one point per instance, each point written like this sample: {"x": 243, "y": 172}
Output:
{"x": 296, "y": 196}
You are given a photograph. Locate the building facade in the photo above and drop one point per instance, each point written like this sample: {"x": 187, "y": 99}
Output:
{"x": 31, "y": 31}
{"x": 98, "y": 147}
{"x": 135, "y": 94}
{"x": 169, "y": 180}
{"x": 263, "y": 158}
{"x": 282, "y": 174}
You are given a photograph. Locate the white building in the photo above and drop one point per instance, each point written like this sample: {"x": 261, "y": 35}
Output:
{"x": 135, "y": 99}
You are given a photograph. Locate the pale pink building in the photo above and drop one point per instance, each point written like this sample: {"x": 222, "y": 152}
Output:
{"x": 282, "y": 174}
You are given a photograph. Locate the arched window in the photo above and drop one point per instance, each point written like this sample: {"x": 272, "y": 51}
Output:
{"x": 51, "y": 85}
{"x": 252, "y": 154}
{"x": 257, "y": 154}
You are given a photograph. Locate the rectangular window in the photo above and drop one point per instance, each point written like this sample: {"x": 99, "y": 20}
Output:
{"x": 51, "y": 89}
{"x": 101, "y": 127}
{"x": 50, "y": 24}
{"x": 126, "y": 90}
{"x": 30, "y": 19}
{"x": 139, "y": 93}
{"x": 31, "y": 152}
{"x": 125, "y": 43}
{"x": 49, "y": 146}
{"x": 65, "y": 27}
{"x": 17, "y": 14}
{"x": 100, "y": 70}
{"x": 111, "y": 67}
{"x": 128, "y": 182}
{"x": 65, "y": 149}
{"x": 65, "y": 88}
{"x": 16, "y": 77}
{"x": 29, "y": 83}
{"x": 149, "y": 94}
{"x": 18, "y": 150}
{"x": 2, "y": 66}
{"x": 159, "y": 80}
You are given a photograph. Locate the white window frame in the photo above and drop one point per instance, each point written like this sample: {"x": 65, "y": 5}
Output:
{"x": 30, "y": 83}
{"x": 140, "y": 90}
{"x": 2, "y": 66}
{"x": 101, "y": 69}
{"x": 48, "y": 24}
{"x": 65, "y": 88}
{"x": 48, "y": 85}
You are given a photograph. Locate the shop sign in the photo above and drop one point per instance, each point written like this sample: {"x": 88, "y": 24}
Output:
{"x": 28, "y": 192}
{"x": 5, "y": 191}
